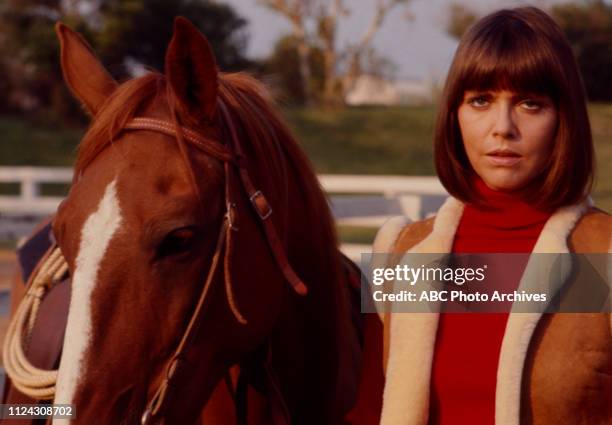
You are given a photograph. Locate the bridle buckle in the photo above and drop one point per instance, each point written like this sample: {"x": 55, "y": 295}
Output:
{"x": 263, "y": 208}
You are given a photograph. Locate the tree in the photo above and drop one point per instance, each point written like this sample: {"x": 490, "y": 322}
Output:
{"x": 285, "y": 66}
{"x": 315, "y": 24}
{"x": 123, "y": 33}
{"x": 588, "y": 27}
{"x": 298, "y": 12}
{"x": 30, "y": 57}
{"x": 141, "y": 29}
{"x": 460, "y": 19}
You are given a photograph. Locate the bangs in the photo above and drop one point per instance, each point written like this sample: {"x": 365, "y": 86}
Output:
{"x": 512, "y": 57}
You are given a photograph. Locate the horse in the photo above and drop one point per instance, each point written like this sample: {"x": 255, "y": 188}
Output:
{"x": 197, "y": 238}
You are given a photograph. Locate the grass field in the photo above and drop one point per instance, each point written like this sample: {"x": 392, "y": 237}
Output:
{"x": 354, "y": 140}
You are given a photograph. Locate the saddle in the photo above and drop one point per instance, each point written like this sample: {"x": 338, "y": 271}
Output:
{"x": 47, "y": 336}
{"x": 44, "y": 350}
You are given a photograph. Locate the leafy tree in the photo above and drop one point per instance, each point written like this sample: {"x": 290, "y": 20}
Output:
{"x": 140, "y": 30}
{"x": 284, "y": 66}
{"x": 123, "y": 33}
{"x": 588, "y": 27}
{"x": 460, "y": 19}
{"x": 30, "y": 57}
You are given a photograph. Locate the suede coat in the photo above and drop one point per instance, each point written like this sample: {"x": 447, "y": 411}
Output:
{"x": 554, "y": 369}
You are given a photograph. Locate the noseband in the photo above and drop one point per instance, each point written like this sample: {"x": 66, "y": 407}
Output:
{"x": 232, "y": 155}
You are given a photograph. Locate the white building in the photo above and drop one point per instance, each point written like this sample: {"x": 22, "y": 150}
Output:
{"x": 372, "y": 90}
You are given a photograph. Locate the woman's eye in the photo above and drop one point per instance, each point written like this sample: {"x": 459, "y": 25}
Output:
{"x": 531, "y": 105}
{"x": 478, "y": 101}
{"x": 178, "y": 241}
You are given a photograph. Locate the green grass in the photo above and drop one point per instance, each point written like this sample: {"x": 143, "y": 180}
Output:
{"x": 24, "y": 143}
{"x": 354, "y": 234}
{"x": 366, "y": 140}
{"x": 370, "y": 140}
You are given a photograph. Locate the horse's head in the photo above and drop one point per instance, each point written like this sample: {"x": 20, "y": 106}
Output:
{"x": 158, "y": 215}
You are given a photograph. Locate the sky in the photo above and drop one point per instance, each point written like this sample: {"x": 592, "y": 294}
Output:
{"x": 419, "y": 48}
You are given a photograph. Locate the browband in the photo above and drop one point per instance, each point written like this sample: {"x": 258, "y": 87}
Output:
{"x": 212, "y": 147}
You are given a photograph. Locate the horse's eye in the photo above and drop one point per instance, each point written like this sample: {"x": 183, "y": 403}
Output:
{"x": 178, "y": 241}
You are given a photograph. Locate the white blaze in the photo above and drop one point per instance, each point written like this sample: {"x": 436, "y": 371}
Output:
{"x": 96, "y": 234}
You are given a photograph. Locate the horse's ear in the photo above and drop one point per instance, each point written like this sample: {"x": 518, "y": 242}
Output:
{"x": 84, "y": 74}
{"x": 192, "y": 71}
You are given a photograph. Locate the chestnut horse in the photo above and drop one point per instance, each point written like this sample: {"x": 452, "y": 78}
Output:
{"x": 197, "y": 237}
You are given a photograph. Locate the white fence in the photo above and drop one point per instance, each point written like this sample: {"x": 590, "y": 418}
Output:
{"x": 370, "y": 200}
{"x": 29, "y": 202}
{"x": 356, "y": 200}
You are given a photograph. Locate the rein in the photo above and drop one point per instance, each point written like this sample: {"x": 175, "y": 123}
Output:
{"x": 231, "y": 155}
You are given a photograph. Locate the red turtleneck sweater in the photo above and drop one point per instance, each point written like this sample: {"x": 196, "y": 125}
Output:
{"x": 467, "y": 348}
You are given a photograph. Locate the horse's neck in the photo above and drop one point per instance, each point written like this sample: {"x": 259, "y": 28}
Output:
{"x": 316, "y": 367}
{"x": 313, "y": 340}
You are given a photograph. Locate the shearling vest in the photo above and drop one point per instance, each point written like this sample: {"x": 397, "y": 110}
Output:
{"x": 554, "y": 369}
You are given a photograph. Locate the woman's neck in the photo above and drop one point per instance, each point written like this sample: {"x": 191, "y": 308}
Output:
{"x": 505, "y": 209}
{"x": 506, "y": 223}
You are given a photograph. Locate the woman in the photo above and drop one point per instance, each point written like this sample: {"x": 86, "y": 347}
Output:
{"x": 513, "y": 147}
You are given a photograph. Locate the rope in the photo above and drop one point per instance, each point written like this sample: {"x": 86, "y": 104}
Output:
{"x": 30, "y": 380}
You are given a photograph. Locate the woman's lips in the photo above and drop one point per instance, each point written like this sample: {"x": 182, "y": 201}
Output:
{"x": 503, "y": 158}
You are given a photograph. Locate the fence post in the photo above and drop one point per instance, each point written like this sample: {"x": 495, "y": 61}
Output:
{"x": 412, "y": 206}
{"x": 29, "y": 185}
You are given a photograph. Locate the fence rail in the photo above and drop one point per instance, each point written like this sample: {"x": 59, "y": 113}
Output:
{"x": 356, "y": 200}
{"x": 387, "y": 185}
{"x": 30, "y": 202}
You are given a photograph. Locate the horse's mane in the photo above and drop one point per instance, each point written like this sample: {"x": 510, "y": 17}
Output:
{"x": 283, "y": 172}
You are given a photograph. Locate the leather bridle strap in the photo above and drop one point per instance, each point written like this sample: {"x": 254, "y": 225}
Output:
{"x": 262, "y": 208}
{"x": 156, "y": 403}
{"x": 208, "y": 146}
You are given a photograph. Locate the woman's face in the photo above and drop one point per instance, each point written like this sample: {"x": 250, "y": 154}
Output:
{"x": 507, "y": 136}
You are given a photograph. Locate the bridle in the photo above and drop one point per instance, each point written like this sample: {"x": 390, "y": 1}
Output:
{"x": 231, "y": 155}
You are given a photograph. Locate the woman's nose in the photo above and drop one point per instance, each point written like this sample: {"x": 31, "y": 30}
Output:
{"x": 505, "y": 126}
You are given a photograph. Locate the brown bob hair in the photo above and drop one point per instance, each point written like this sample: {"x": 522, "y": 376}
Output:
{"x": 521, "y": 50}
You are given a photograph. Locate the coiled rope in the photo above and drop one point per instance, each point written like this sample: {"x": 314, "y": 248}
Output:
{"x": 30, "y": 380}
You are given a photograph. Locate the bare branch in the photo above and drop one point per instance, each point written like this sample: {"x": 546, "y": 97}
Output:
{"x": 382, "y": 9}
{"x": 355, "y": 52}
